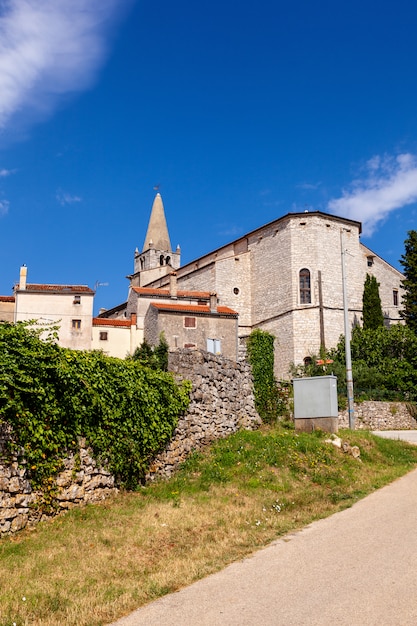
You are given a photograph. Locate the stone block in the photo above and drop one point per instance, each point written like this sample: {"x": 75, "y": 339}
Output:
{"x": 309, "y": 424}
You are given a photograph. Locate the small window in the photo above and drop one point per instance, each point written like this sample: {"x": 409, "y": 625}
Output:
{"x": 305, "y": 286}
{"x": 308, "y": 360}
{"x": 236, "y": 291}
{"x": 370, "y": 261}
{"x": 395, "y": 297}
{"x": 214, "y": 346}
{"x": 76, "y": 324}
{"x": 161, "y": 259}
{"x": 77, "y": 299}
{"x": 190, "y": 322}
{"x": 189, "y": 345}
{"x": 168, "y": 260}
{"x": 103, "y": 335}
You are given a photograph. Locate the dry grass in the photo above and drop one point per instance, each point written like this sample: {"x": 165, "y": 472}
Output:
{"x": 95, "y": 564}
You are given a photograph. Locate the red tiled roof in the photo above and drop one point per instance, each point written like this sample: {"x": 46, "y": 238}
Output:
{"x": 7, "y": 298}
{"x": 102, "y": 321}
{"x": 150, "y": 291}
{"x": 192, "y": 308}
{"x": 78, "y": 289}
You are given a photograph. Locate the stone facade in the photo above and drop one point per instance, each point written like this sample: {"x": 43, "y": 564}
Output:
{"x": 80, "y": 482}
{"x": 222, "y": 403}
{"x": 374, "y": 415}
{"x": 259, "y": 277}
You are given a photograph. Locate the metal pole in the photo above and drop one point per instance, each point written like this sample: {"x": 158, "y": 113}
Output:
{"x": 349, "y": 379}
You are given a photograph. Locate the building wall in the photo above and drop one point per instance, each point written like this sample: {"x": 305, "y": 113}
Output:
{"x": 60, "y": 310}
{"x": 7, "y": 309}
{"x": 121, "y": 340}
{"x": 178, "y": 336}
{"x": 267, "y": 277}
{"x": 389, "y": 280}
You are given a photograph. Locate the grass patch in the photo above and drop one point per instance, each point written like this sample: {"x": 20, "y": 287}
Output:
{"x": 94, "y": 564}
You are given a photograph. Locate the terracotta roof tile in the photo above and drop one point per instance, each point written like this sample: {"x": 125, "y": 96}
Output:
{"x": 102, "y": 321}
{"x": 73, "y": 289}
{"x": 192, "y": 308}
{"x": 150, "y": 291}
{"x": 7, "y": 298}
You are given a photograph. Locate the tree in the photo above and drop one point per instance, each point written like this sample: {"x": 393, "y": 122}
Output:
{"x": 372, "y": 315}
{"x": 409, "y": 283}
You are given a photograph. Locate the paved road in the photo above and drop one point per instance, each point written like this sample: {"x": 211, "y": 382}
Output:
{"x": 357, "y": 568}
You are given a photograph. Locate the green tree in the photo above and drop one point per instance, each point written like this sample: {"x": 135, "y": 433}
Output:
{"x": 409, "y": 262}
{"x": 372, "y": 315}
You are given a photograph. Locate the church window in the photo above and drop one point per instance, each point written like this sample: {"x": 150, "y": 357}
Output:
{"x": 190, "y": 322}
{"x": 370, "y": 261}
{"x": 168, "y": 260}
{"x": 305, "y": 286}
{"x": 103, "y": 335}
{"x": 161, "y": 259}
{"x": 395, "y": 297}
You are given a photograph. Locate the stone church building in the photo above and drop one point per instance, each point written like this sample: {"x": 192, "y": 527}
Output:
{"x": 284, "y": 277}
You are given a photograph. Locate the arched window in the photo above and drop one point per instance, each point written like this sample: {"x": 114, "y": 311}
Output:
{"x": 168, "y": 260}
{"x": 308, "y": 360}
{"x": 161, "y": 259}
{"x": 305, "y": 286}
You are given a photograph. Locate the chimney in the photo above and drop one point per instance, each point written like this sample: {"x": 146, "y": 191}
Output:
{"x": 133, "y": 319}
{"x": 213, "y": 302}
{"x": 23, "y": 276}
{"x": 173, "y": 288}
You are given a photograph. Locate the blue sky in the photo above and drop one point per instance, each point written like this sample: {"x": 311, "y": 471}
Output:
{"x": 240, "y": 111}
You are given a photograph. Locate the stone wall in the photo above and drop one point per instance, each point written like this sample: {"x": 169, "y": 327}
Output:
{"x": 373, "y": 415}
{"x": 80, "y": 482}
{"x": 222, "y": 402}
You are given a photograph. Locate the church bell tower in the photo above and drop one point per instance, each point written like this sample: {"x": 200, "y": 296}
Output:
{"x": 157, "y": 258}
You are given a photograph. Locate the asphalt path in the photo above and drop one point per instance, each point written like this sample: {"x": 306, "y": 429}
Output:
{"x": 357, "y": 567}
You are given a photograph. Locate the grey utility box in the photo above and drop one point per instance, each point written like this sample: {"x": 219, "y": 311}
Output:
{"x": 315, "y": 403}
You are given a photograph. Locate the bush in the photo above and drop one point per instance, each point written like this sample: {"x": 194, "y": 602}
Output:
{"x": 50, "y": 396}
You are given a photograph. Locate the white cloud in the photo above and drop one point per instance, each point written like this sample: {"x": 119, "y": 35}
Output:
{"x": 4, "y": 207}
{"x": 49, "y": 48}
{"x": 309, "y": 186}
{"x": 4, "y": 173}
{"x": 389, "y": 183}
{"x": 65, "y": 198}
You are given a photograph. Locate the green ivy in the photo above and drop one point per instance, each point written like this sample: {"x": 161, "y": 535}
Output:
{"x": 270, "y": 398}
{"x": 51, "y": 396}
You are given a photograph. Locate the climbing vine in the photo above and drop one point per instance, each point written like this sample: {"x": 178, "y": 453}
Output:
{"x": 270, "y": 398}
{"x": 51, "y": 396}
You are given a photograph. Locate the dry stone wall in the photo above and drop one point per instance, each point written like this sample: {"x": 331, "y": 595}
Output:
{"x": 374, "y": 415}
{"x": 222, "y": 403}
{"x": 81, "y": 481}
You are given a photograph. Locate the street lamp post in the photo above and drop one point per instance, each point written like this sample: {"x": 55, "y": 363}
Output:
{"x": 349, "y": 379}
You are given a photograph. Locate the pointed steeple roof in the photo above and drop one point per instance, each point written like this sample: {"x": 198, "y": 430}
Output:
{"x": 157, "y": 234}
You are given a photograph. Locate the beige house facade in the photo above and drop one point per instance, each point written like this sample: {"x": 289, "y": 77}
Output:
{"x": 116, "y": 337}
{"x": 69, "y": 307}
{"x": 7, "y": 306}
